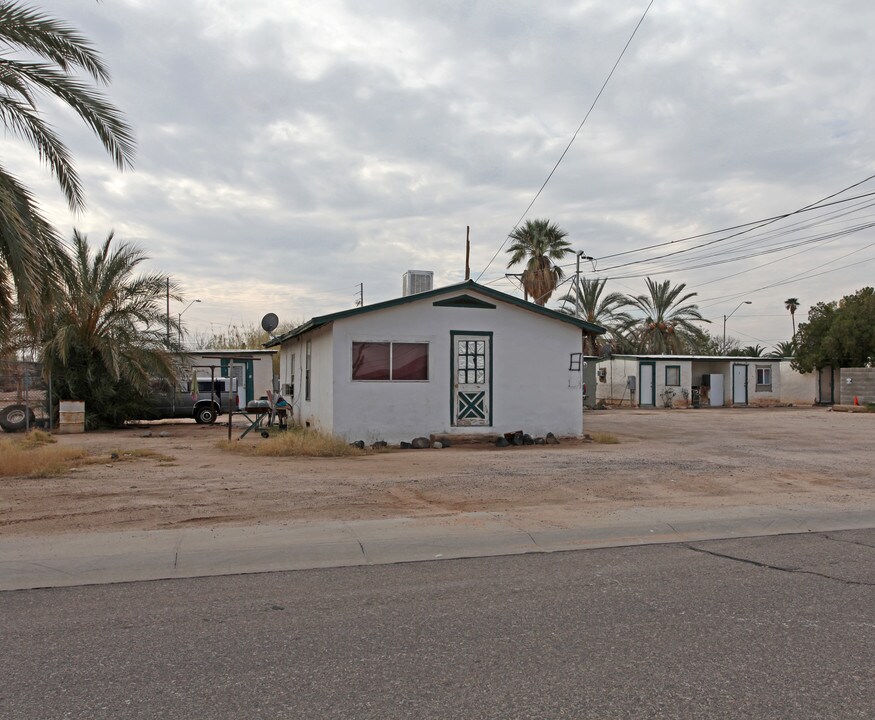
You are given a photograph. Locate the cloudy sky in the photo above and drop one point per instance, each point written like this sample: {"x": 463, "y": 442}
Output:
{"x": 288, "y": 151}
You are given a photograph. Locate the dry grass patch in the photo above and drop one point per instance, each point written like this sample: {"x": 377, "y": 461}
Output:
{"x": 297, "y": 442}
{"x": 34, "y": 455}
{"x": 605, "y": 438}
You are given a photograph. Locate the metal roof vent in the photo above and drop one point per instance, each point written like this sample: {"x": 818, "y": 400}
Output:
{"x": 416, "y": 281}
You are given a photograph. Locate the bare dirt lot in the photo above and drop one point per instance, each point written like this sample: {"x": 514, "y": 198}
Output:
{"x": 664, "y": 459}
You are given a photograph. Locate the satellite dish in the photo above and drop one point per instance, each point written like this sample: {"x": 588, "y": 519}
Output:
{"x": 269, "y": 323}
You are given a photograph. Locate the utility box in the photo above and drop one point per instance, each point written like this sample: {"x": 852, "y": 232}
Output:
{"x": 72, "y": 417}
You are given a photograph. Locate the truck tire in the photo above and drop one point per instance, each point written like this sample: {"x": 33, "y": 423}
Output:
{"x": 205, "y": 415}
{"x": 15, "y": 418}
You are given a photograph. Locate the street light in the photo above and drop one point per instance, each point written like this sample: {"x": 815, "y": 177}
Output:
{"x": 726, "y": 317}
{"x": 180, "y": 319}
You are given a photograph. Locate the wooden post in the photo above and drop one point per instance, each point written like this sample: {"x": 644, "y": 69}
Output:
{"x": 468, "y": 253}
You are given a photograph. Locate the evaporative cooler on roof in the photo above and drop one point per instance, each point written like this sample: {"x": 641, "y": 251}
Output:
{"x": 417, "y": 281}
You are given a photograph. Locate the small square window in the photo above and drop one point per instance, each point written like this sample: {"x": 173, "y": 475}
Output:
{"x": 672, "y": 375}
{"x": 764, "y": 378}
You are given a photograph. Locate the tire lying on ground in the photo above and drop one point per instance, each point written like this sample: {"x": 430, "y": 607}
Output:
{"x": 15, "y": 418}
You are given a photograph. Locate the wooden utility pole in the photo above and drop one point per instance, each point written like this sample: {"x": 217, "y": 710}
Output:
{"x": 468, "y": 253}
{"x": 168, "y": 311}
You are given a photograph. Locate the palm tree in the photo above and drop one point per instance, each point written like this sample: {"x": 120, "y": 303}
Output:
{"x": 753, "y": 350}
{"x": 792, "y": 304}
{"x": 784, "y": 349}
{"x": 540, "y": 243}
{"x": 104, "y": 336}
{"x": 28, "y": 244}
{"x": 605, "y": 310}
{"x": 667, "y": 325}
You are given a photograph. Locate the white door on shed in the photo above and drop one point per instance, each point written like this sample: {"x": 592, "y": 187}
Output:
{"x": 739, "y": 384}
{"x": 647, "y": 391}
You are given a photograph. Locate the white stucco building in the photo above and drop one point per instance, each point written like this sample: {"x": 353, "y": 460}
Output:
{"x": 459, "y": 360}
{"x": 710, "y": 381}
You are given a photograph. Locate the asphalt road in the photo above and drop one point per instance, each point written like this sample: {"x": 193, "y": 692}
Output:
{"x": 776, "y": 627}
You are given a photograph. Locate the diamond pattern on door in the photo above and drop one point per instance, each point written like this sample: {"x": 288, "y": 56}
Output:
{"x": 472, "y": 406}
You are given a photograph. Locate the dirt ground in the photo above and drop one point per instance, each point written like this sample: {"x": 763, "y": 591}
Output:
{"x": 664, "y": 459}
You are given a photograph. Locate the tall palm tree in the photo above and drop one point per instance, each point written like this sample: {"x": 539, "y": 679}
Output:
{"x": 539, "y": 243}
{"x": 668, "y": 323}
{"x": 53, "y": 53}
{"x": 792, "y": 304}
{"x": 104, "y": 338}
{"x": 599, "y": 308}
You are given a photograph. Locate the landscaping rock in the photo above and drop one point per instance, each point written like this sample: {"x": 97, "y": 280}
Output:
{"x": 528, "y": 439}
{"x": 518, "y": 438}
{"x": 148, "y": 433}
{"x": 446, "y": 443}
{"x": 360, "y": 444}
{"x": 539, "y": 441}
{"x": 379, "y": 444}
{"x": 551, "y": 439}
{"x": 511, "y": 435}
{"x": 406, "y": 446}
{"x": 437, "y": 445}
{"x": 421, "y": 443}
{"x": 502, "y": 442}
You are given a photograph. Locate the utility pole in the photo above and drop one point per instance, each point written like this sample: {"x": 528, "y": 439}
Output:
{"x": 577, "y": 309}
{"x": 468, "y": 253}
{"x": 168, "y": 311}
{"x": 360, "y": 302}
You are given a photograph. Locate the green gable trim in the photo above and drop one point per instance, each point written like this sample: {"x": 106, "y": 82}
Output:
{"x": 468, "y": 285}
{"x": 464, "y": 301}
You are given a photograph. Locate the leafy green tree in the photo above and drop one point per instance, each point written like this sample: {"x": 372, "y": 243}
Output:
{"x": 668, "y": 325}
{"x": 104, "y": 338}
{"x": 838, "y": 334}
{"x": 41, "y": 59}
{"x": 596, "y": 306}
{"x": 539, "y": 243}
{"x": 792, "y": 304}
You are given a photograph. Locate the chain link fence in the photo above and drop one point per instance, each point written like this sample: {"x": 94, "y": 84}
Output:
{"x": 25, "y": 396}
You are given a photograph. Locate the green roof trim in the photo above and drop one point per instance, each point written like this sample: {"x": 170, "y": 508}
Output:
{"x": 467, "y": 285}
{"x": 464, "y": 301}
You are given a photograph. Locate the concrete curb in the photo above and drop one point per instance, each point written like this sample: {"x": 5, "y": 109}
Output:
{"x": 101, "y": 558}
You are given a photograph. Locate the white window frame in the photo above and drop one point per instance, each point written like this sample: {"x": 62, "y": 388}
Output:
{"x": 767, "y": 372}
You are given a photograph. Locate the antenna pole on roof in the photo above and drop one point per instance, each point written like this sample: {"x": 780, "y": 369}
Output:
{"x": 468, "y": 253}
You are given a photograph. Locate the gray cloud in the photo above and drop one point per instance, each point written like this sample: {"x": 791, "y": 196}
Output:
{"x": 288, "y": 151}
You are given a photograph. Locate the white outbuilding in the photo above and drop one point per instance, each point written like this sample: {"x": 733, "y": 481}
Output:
{"x": 458, "y": 360}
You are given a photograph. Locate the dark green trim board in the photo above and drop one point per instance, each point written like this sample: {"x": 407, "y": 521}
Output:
{"x": 468, "y": 285}
{"x": 464, "y": 301}
{"x": 469, "y": 333}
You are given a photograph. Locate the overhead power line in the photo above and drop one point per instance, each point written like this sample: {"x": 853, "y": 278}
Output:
{"x": 570, "y": 142}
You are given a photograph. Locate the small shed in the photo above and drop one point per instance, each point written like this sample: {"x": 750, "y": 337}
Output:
{"x": 459, "y": 360}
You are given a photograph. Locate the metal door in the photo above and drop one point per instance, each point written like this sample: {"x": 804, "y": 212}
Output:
{"x": 739, "y": 384}
{"x": 647, "y": 383}
{"x": 472, "y": 379}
